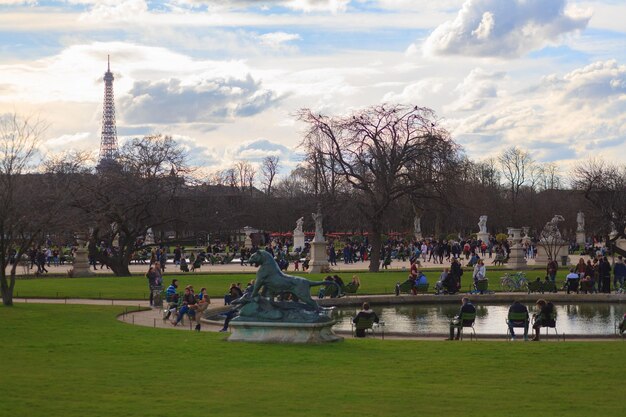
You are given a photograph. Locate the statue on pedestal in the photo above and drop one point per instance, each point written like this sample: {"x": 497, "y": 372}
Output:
{"x": 580, "y": 221}
{"x": 319, "y": 232}
{"x": 417, "y": 227}
{"x": 551, "y": 229}
{"x": 482, "y": 224}
{"x": 299, "y": 224}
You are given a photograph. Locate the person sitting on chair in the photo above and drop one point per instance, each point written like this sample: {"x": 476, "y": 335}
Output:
{"x": 365, "y": 314}
{"x": 571, "y": 281}
{"x": 171, "y": 297}
{"x": 439, "y": 285}
{"x": 189, "y": 300}
{"x": 545, "y": 317}
{"x": 518, "y": 307}
{"x": 456, "y": 322}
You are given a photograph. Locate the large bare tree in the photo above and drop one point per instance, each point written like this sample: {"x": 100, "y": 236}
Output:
{"x": 384, "y": 153}
{"x": 125, "y": 198}
{"x": 604, "y": 186}
{"x": 30, "y": 201}
{"x": 518, "y": 169}
{"x": 269, "y": 169}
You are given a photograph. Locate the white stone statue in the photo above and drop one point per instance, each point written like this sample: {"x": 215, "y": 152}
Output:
{"x": 580, "y": 220}
{"x": 482, "y": 224}
{"x": 551, "y": 229}
{"x": 417, "y": 227}
{"x": 299, "y": 224}
{"x": 319, "y": 232}
{"x": 149, "y": 240}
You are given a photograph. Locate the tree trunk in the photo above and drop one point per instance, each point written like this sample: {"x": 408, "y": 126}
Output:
{"x": 7, "y": 288}
{"x": 375, "y": 240}
{"x": 119, "y": 266}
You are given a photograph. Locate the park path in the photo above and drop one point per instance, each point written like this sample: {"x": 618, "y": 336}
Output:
{"x": 137, "y": 269}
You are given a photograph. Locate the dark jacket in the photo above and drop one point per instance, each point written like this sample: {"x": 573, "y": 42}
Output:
{"x": 467, "y": 308}
{"x": 365, "y": 314}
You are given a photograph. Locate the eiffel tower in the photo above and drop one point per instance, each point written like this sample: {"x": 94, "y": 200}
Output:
{"x": 108, "y": 141}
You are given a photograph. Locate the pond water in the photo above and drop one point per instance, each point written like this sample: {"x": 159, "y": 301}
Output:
{"x": 581, "y": 318}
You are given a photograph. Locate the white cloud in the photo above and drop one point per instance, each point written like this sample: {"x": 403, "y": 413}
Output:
{"x": 476, "y": 89}
{"x": 116, "y": 10}
{"x": 333, "y": 6}
{"x": 63, "y": 140}
{"x": 564, "y": 117}
{"x": 277, "y": 40}
{"x": 415, "y": 93}
{"x": 208, "y": 101}
{"x": 505, "y": 28}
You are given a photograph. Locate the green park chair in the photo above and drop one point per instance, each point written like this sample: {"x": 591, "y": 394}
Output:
{"x": 516, "y": 320}
{"x": 552, "y": 326}
{"x": 467, "y": 320}
{"x": 549, "y": 287}
{"x": 350, "y": 288}
{"x": 404, "y": 287}
{"x": 332, "y": 291}
{"x": 586, "y": 287}
{"x": 535, "y": 286}
{"x": 369, "y": 326}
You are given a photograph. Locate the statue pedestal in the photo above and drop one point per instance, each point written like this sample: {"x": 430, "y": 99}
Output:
{"x": 483, "y": 237}
{"x": 298, "y": 240}
{"x": 559, "y": 250}
{"x": 319, "y": 260}
{"x": 80, "y": 266}
{"x": 516, "y": 258}
{"x": 580, "y": 238}
{"x": 268, "y": 332}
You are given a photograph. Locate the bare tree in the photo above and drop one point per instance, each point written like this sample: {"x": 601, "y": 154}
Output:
{"x": 30, "y": 201}
{"x": 549, "y": 176}
{"x": 130, "y": 196}
{"x": 518, "y": 171}
{"x": 269, "y": 169}
{"x": 604, "y": 186}
{"x": 384, "y": 154}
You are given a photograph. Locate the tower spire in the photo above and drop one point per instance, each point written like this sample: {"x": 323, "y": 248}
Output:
{"x": 108, "y": 141}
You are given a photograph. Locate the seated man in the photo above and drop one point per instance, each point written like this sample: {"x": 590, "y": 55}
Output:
{"x": 518, "y": 309}
{"x": 365, "y": 314}
{"x": 439, "y": 285}
{"x": 171, "y": 297}
{"x": 450, "y": 285}
{"x": 457, "y": 323}
{"x": 189, "y": 300}
{"x": 544, "y": 318}
{"x": 571, "y": 281}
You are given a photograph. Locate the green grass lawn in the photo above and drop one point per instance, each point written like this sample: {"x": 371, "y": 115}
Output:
{"x": 136, "y": 287}
{"x": 79, "y": 361}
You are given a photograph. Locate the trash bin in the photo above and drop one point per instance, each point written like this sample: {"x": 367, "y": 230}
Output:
{"x": 564, "y": 259}
{"x": 157, "y": 300}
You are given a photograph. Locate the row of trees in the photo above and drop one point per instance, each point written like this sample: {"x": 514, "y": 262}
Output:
{"x": 371, "y": 171}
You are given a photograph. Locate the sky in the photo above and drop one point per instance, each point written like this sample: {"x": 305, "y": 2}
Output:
{"x": 225, "y": 78}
